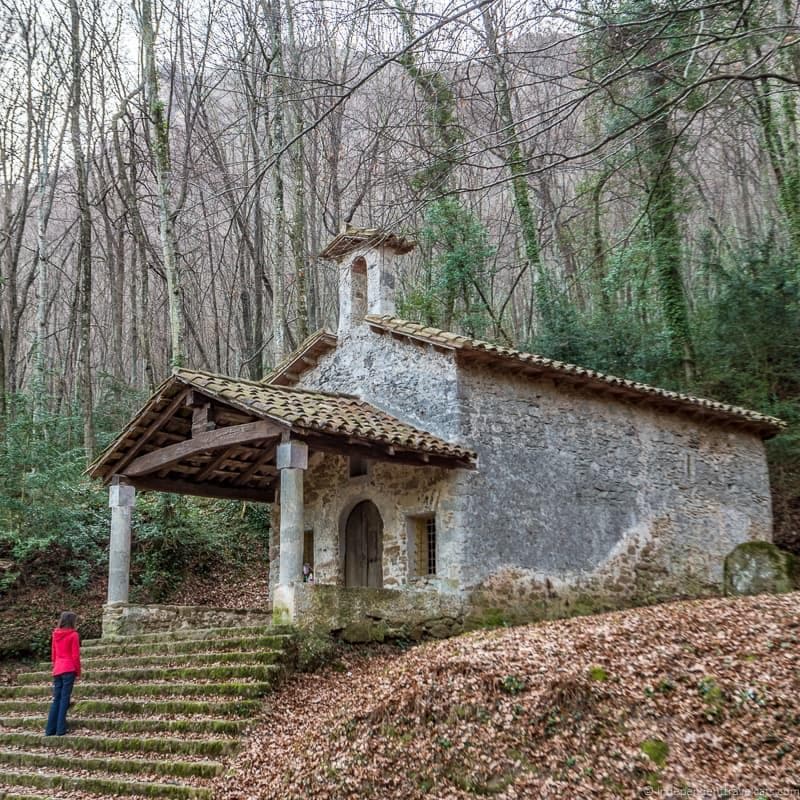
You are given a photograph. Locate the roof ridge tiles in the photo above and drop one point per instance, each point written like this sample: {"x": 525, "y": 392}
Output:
{"x": 436, "y": 336}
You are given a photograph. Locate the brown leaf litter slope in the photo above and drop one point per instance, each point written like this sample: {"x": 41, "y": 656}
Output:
{"x": 693, "y": 697}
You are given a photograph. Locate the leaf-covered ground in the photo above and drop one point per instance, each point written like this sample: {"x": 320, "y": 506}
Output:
{"x": 685, "y": 699}
{"x": 31, "y": 610}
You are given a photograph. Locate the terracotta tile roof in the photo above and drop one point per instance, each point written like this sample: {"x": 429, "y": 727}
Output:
{"x": 302, "y": 411}
{"x": 353, "y": 238}
{"x": 325, "y": 412}
{"x": 302, "y": 357}
{"x": 531, "y": 363}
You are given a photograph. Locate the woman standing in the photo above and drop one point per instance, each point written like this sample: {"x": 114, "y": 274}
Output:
{"x": 66, "y": 655}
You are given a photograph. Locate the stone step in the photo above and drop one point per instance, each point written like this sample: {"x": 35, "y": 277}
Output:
{"x": 120, "y": 744}
{"x": 194, "y": 634}
{"x": 254, "y": 656}
{"x": 47, "y": 794}
{"x": 216, "y": 727}
{"x": 138, "y": 767}
{"x": 150, "y": 690}
{"x": 261, "y": 672}
{"x": 229, "y": 708}
{"x": 30, "y": 795}
{"x": 102, "y": 784}
{"x": 153, "y": 715}
{"x": 125, "y": 646}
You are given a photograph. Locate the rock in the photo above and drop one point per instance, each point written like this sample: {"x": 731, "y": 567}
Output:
{"x": 760, "y": 567}
{"x": 362, "y": 632}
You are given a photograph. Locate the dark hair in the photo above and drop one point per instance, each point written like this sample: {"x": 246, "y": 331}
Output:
{"x": 68, "y": 619}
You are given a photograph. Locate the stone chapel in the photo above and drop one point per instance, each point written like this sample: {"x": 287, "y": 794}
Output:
{"x": 423, "y": 480}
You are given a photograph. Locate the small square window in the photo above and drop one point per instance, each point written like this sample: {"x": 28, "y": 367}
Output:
{"x": 358, "y": 466}
{"x": 425, "y": 545}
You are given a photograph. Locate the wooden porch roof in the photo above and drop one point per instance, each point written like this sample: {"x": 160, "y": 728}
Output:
{"x": 214, "y": 436}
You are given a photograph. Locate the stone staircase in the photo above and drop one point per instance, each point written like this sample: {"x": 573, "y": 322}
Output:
{"x": 153, "y": 715}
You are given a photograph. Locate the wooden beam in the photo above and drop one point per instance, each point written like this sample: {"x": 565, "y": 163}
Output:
{"x": 266, "y": 495}
{"x": 163, "y": 417}
{"x": 202, "y": 419}
{"x": 381, "y": 453}
{"x": 202, "y": 443}
{"x": 216, "y": 463}
{"x": 268, "y": 454}
{"x": 231, "y": 417}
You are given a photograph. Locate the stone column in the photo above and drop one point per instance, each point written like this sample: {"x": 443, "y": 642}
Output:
{"x": 121, "y": 498}
{"x": 292, "y": 460}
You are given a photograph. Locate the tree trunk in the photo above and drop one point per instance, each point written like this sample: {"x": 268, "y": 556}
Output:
{"x": 515, "y": 161}
{"x": 159, "y": 151}
{"x": 84, "y": 238}
{"x": 665, "y": 228}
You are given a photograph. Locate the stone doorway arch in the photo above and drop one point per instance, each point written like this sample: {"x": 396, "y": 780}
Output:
{"x": 363, "y": 546}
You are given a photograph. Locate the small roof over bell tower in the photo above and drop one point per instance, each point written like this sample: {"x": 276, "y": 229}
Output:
{"x": 368, "y": 270}
{"x": 353, "y": 239}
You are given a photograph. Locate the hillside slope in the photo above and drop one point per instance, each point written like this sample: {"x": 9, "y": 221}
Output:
{"x": 700, "y": 695}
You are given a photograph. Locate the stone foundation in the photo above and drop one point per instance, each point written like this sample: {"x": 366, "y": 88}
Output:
{"x": 123, "y": 619}
{"x": 363, "y": 614}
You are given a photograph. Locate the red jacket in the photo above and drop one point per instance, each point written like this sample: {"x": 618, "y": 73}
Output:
{"x": 66, "y": 651}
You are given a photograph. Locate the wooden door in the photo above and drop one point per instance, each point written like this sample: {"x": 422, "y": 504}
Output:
{"x": 363, "y": 547}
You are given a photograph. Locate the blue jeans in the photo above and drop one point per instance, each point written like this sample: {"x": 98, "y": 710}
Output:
{"x": 62, "y": 691}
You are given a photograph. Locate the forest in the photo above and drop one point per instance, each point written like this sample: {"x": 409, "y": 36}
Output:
{"x": 613, "y": 183}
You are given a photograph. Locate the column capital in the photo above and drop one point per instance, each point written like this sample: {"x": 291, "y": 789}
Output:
{"x": 292, "y": 455}
{"x": 121, "y": 495}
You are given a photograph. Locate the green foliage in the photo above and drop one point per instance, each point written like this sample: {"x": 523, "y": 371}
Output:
{"x": 175, "y": 536}
{"x": 656, "y": 750}
{"x": 598, "y": 674}
{"x": 513, "y": 684}
{"x": 54, "y": 521}
{"x": 453, "y": 294}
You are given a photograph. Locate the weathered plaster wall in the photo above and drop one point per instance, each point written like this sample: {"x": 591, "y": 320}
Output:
{"x": 398, "y": 491}
{"x": 414, "y": 382}
{"x": 579, "y": 502}
{"x": 580, "y": 494}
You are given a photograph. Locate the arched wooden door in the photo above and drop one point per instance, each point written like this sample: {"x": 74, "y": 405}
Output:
{"x": 363, "y": 547}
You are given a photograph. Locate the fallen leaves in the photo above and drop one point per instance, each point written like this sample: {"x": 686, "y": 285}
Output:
{"x": 686, "y": 696}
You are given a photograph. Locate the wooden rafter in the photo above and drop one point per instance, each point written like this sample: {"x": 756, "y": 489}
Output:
{"x": 216, "y": 463}
{"x": 266, "y": 456}
{"x": 203, "y": 443}
{"x": 160, "y": 420}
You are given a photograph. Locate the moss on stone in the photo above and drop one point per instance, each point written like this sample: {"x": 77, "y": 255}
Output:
{"x": 106, "y": 786}
{"x": 54, "y": 761}
{"x": 760, "y": 567}
{"x": 312, "y": 650}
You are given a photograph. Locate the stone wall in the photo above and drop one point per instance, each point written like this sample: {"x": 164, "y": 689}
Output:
{"x": 414, "y": 382}
{"x": 124, "y": 619}
{"x": 361, "y": 614}
{"x": 583, "y": 497}
{"x": 579, "y": 502}
{"x": 399, "y": 492}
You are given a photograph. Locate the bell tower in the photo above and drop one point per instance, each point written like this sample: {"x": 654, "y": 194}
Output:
{"x": 367, "y": 261}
